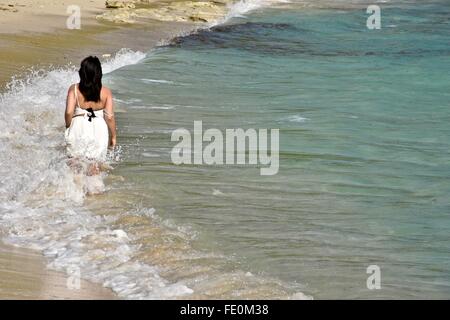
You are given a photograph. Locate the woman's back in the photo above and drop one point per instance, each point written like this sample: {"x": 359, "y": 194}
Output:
{"x": 82, "y": 103}
{"x": 89, "y": 114}
{"x": 87, "y": 135}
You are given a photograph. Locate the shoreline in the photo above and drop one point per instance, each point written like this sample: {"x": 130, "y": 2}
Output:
{"x": 24, "y": 52}
{"x": 43, "y": 42}
{"x": 34, "y": 33}
{"x": 24, "y": 275}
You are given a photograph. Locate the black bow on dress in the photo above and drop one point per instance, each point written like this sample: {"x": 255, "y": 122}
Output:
{"x": 91, "y": 114}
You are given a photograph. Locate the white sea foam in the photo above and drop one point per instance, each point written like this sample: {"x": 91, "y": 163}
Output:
{"x": 157, "y": 81}
{"x": 296, "y": 118}
{"x": 123, "y": 58}
{"x": 240, "y": 8}
{"x": 152, "y": 107}
{"x": 244, "y": 6}
{"x": 150, "y": 155}
{"x": 217, "y": 192}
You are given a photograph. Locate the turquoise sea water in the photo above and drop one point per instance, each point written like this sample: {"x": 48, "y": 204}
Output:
{"x": 364, "y": 145}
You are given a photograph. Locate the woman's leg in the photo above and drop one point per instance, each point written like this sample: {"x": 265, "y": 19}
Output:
{"x": 93, "y": 169}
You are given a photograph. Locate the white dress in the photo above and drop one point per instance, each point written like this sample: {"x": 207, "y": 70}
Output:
{"x": 87, "y": 137}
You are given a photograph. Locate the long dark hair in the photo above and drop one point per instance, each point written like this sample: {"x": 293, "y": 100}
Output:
{"x": 91, "y": 78}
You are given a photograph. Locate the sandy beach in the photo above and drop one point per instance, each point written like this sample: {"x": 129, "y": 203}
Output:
{"x": 34, "y": 34}
{"x": 23, "y": 275}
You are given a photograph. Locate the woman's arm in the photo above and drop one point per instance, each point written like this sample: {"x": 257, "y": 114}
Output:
{"x": 70, "y": 106}
{"x": 108, "y": 114}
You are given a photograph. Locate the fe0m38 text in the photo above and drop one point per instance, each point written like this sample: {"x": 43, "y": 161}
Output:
{"x": 243, "y": 309}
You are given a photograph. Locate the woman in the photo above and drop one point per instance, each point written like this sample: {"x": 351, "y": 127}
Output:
{"x": 89, "y": 114}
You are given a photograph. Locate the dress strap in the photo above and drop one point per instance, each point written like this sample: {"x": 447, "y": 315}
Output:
{"x": 76, "y": 95}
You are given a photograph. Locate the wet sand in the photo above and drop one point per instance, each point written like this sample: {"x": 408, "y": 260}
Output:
{"x": 23, "y": 275}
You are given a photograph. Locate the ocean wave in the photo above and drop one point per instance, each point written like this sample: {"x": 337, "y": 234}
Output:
{"x": 157, "y": 81}
{"x": 242, "y": 7}
{"x": 295, "y": 118}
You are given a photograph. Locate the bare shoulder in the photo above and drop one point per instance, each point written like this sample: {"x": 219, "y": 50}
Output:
{"x": 71, "y": 89}
{"x": 106, "y": 92}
